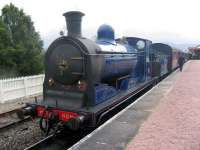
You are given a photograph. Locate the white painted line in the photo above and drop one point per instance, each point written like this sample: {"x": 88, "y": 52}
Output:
{"x": 75, "y": 146}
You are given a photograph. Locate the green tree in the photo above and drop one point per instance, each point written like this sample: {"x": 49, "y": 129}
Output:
{"x": 4, "y": 35}
{"x": 21, "y": 46}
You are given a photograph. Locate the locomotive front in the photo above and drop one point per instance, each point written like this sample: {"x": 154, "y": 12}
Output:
{"x": 64, "y": 60}
{"x": 80, "y": 72}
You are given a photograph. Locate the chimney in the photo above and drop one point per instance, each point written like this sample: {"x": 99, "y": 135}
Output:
{"x": 73, "y": 21}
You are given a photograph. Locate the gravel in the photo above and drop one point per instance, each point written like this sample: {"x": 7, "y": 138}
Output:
{"x": 21, "y": 136}
{"x": 175, "y": 123}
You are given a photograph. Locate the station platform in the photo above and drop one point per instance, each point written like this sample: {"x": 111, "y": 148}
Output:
{"x": 166, "y": 117}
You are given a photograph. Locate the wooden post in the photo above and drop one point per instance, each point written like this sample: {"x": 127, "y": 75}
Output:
{"x": 1, "y": 92}
{"x": 25, "y": 87}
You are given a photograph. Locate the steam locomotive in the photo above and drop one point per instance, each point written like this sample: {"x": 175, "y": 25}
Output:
{"x": 86, "y": 79}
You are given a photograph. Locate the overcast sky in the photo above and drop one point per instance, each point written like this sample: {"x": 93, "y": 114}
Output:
{"x": 169, "y": 21}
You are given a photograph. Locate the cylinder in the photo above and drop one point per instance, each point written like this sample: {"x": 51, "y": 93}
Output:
{"x": 29, "y": 110}
{"x": 73, "y": 22}
{"x": 75, "y": 123}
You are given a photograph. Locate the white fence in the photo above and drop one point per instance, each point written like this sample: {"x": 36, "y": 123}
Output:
{"x": 22, "y": 87}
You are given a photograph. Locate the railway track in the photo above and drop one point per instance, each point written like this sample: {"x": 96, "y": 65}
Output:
{"x": 10, "y": 119}
{"x": 60, "y": 141}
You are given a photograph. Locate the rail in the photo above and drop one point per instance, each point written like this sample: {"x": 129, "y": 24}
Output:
{"x": 10, "y": 119}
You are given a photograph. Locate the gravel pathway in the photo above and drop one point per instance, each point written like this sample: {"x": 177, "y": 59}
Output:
{"x": 175, "y": 123}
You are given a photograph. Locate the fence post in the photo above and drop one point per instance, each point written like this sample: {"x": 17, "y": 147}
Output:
{"x": 25, "y": 87}
{"x": 1, "y": 101}
{"x": 1, "y": 91}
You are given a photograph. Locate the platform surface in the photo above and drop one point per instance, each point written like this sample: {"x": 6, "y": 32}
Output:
{"x": 175, "y": 123}
{"x": 16, "y": 104}
{"x": 118, "y": 132}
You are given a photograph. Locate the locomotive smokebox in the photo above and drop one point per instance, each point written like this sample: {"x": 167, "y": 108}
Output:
{"x": 73, "y": 21}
